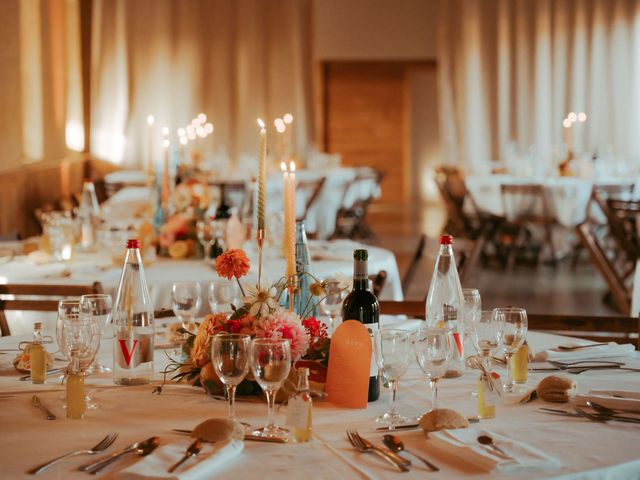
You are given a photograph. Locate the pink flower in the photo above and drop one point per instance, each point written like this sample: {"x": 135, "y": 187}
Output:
{"x": 284, "y": 324}
{"x": 232, "y": 263}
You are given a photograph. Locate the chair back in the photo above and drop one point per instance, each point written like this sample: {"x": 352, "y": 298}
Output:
{"x": 310, "y": 191}
{"x": 622, "y": 217}
{"x": 378, "y": 281}
{"x": 37, "y": 298}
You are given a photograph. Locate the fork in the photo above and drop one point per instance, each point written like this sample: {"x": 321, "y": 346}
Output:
{"x": 365, "y": 446}
{"x": 100, "y": 447}
{"x": 193, "y": 450}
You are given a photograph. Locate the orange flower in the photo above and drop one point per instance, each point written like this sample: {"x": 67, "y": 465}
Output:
{"x": 233, "y": 263}
{"x": 201, "y": 351}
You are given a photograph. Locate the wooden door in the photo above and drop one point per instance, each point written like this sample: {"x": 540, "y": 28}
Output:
{"x": 365, "y": 121}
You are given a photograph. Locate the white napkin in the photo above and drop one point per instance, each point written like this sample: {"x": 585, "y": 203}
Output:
{"x": 607, "y": 399}
{"x": 463, "y": 444}
{"x": 202, "y": 466}
{"x": 612, "y": 350}
{"x": 617, "y": 393}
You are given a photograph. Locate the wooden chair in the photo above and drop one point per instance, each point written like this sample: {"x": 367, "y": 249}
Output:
{"x": 410, "y": 308}
{"x": 311, "y": 190}
{"x": 378, "y": 280}
{"x": 622, "y": 221}
{"x": 536, "y": 212}
{"x": 450, "y": 183}
{"x": 37, "y": 298}
{"x": 351, "y": 221}
{"x": 597, "y": 329}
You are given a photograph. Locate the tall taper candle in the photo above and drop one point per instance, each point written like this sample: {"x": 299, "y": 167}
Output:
{"x": 150, "y": 169}
{"x": 292, "y": 219}
{"x": 287, "y": 216}
{"x": 262, "y": 173}
{"x": 165, "y": 173}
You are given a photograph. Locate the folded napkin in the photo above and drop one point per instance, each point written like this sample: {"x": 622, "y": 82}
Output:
{"x": 606, "y": 399}
{"x": 611, "y": 350}
{"x": 202, "y": 466}
{"x": 463, "y": 444}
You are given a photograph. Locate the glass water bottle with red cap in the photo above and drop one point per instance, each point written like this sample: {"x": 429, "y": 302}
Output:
{"x": 133, "y": 323}
{"x": 445, "y": 302}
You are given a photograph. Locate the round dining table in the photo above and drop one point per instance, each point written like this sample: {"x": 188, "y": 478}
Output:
{"x": 580, "y": 448}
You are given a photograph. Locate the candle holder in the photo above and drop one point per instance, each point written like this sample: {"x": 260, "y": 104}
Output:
{"x": 260, "y": 236}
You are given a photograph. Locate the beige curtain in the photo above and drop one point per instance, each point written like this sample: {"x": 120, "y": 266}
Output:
{"x": 511, "y": 70}
{"x": 235, "y": 60}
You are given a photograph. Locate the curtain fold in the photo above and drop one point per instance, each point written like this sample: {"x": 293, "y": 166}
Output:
{"x": 235, "y": 60}
{"x": 511, "y": 70}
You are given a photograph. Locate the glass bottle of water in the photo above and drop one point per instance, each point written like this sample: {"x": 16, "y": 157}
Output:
{"x": 303, "y": 303}
{"x": 88, "y": 213}
{"x": 133, "y": 323}
{"x": 445, "y": 302}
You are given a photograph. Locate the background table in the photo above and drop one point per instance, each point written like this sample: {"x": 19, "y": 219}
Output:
{"x": 587, "y": 450}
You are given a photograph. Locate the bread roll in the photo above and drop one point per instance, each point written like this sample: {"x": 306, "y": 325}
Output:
{"x": 442, "y": 419}
{"x": 555, "y": 388}
{"x": 218, "y": 430}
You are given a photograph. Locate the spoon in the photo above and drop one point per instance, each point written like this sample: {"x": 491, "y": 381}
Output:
{"x": 487, "y": 441}
{"x": 394, "y": 443}
{"x": 577, "y": 347}
{"x": 139, "y": 448}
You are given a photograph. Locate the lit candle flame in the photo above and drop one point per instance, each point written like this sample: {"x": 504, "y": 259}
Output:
{"x": 292, "y": 166}
{"x": 582, "y": 117}
{"x": 279, "y": 124}
{"x": 150, "y": 120}
{"x": 572, "y": 117}
{"x": 166, "y": 143}
{"x": 201, "y": 118}
{"x": 288, "y": 118}
{"x": 165, "y": 131}
{"x": 261, "y": 123}
{"x": 283, "y": 166}
{"x": 208, "y": 128}
{"x": 181, "y": 132}
{"x": 566, "y": 123}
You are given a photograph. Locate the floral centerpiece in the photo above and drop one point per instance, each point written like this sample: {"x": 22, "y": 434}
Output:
{"x": 260, "y": 316}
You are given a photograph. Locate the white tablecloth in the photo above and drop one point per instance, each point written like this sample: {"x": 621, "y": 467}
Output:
{"x": 321, "y": 218}
{"x": 587, "y": 450}
{"x": 333, "y": 257}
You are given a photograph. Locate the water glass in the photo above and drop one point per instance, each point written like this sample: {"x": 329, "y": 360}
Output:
{"x": 271, "y": 363}
{"x": 222, "y": 294}
{"x": 434, "y": 349}
{"x": 230, "y": 358}
{"x": 392, "y": 351}
{"x": 331, "y": 304}
{"x": 511, "y": 337}
{"x": 98, "y": 307}
{"x": 206, "y": 237}
{"x": 185, "y": 297}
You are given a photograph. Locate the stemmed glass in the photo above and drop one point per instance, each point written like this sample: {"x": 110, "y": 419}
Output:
{"x": 206, "y": 237}
{"x": 485, "y": 333}
{"x": 392, "y": 350}
{"x": 433, "y": 348}
{"x": 222, "y": 294}
{"x": 332, "y": 302}
{"x": 185, "y": 298}
{"x": 270, "y": 363}
{"x": 230, "y": 358}
{"x": 511, "y": 337}
{"x": 472, "y": 308}
{"x": 98, "y": 307}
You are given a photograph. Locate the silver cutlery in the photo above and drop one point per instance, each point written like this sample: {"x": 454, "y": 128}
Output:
{"x": 49, "y": 372}
{"x": 408, "y": 426}
{"x": 588, "y": 362}
{"x": 559, "y": 412}
{"x": 605, "y": 417}
{"x": 365, "y": 446}
{"x": 394, "y": 443}
{"x": 247, "y": 436}
{"x": 489, "y": 443}
{"x": 567, "y": 348}
{"x": 35, "y": 400}
{"x": 139, "y": 448}
{"x": 610, "y": 411}
{"x": 100, "y": 447}
{"x": 194, "y": 449}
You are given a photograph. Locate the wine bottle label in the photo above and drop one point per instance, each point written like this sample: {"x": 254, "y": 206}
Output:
{"x": 132, "y": 349}
{"x": 298, "y": 413}
{"x": 373, "y": 331}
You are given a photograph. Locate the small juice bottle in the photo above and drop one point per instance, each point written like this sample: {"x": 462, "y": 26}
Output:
{"x": 486, "y": 405}
{"x": 520, "y": 364}
{"x": 75, "y": 390}
{"x": 38, "y": 358}
{"x": 300, "y": 408}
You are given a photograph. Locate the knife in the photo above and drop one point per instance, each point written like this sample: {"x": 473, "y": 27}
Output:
{"x": 247, "y": 436}
{"x": 38, "y": 403}
{"x": 409, "y": 426}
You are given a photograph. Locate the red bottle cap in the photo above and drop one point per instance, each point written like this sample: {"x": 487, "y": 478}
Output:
{"x": 133, "y": 243}
{"x": 446, "y": 239}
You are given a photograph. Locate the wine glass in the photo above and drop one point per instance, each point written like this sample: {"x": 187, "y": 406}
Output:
{"x": 185, "y": 298}
{"x": 206, "y": 237}
{"x": 332, "y": 302}
{"x": 485, "y": 333}
{"x": 222, "y": 294}
{"x": 270, "y": 363}
{"x": 98, "y": 306}
{"x": 511, "y": 338}
{"x": 230, "y": 358}
{"x": 434, "y": 349}
{"x": 392, "y": 350}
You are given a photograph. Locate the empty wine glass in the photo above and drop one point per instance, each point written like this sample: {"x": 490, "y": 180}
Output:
{"x": 485, "y": 333}
{"x": 185, "y": 298}
{"x": 392, "y": 350}
{"x": 98, "y": 306}
{"x": 332, "y": 302}
{"x": 230, "y": 358}
{"x": 206, "y": 237}
{"x": 270, "y": 363}
{"x": 433, "y": 348}
{"x": 222, "y": 294}
{"x": 512, "y": 336}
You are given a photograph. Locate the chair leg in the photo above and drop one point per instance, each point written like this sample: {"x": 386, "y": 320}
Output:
{"x": 511, "y": 259}
{"x": 549, "y": 234}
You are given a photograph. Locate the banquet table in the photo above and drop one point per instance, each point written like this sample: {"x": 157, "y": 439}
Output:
{"x": 328, "y": 259}
{"x": 586, "y": 450}
{"x": 338, "y": 191}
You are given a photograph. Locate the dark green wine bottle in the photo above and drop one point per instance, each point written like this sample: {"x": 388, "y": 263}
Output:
{"x": 362, "y": 305}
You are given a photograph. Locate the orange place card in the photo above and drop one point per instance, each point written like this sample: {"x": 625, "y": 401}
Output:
{"x": 349, "y": 362}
